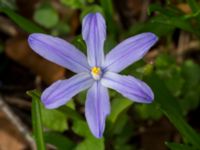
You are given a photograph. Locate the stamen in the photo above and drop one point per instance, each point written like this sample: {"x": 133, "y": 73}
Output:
{"x": 96, "y": 73}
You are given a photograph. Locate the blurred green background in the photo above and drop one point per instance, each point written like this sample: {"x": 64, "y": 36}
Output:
{"x": 171, "y": 68}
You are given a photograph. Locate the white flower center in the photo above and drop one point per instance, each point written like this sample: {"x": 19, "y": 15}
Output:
{"x": 96, "y": 73}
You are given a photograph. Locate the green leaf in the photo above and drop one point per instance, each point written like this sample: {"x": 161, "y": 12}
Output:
{"x": 54, "y": 119}
{"x": 22, "y": 22}
{"x": 178, "y": 22}
{"x": 80, "y": 43}
{"x": 46, "y": 16}
{"x": 91, "y": 9}
{"x": 168, "y": 11}
{"x": 193, "y": 5}
{"x": 158, "y": 28}
{"x": 119, "y": 126}
{"x": 171, "y": 108}
{"x": 90, "y": 1}
{"x": 107, "y": 6}
{"x": 71, "y": 113}
{"x": 191, "y": 72}
{"x": 59, "y": 141}
{"x": 108, "y": 9}
{"x": 74, "y": 3}
{"x": 173, "y": 78}
{"x": 170, "y": 72}
{"x": 90, "y": 142}
{"x": 118, "y": 105}
{"x": 81, "y": 128}
{"x": 123, "y": 134}
{"x": 190, "y": 97}
{"x": 172, "y": 16}
{"x": 8, "y": 3}
{"x": 164, "y": 61}
{"x": 61, "y": 29}
{"x": 175, "y": 146}
{"x": 109, "y": 43}
{"x": 37, "y": 119}
{"x": 149, "y": 111}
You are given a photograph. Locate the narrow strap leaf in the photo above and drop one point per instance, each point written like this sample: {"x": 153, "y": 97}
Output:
{"x": 37, "y": 120}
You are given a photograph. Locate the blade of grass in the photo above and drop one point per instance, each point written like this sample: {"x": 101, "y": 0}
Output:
{"x": 37, "y": 120}
{"x": 171, "y": 108}
{"x": 108, "y": 10}
{"x": 193, "y": 5}
{"x": 176, "y": 146}
{"x": 177, "y": 22}
{"x": 22, "y": 22}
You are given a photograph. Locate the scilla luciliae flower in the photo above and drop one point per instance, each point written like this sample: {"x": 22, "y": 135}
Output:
{"x": 95, "y": 72}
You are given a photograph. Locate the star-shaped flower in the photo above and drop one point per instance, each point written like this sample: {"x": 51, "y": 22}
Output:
{"x": 96, "y": 72}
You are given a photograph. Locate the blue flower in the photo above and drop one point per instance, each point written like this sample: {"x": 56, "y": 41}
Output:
{"x": 97, "y": 72}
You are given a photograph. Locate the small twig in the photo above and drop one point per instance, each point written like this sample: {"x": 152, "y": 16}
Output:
{"x": 7, "y": 27}
{"x": 17, "y": 122}
{"x": 183, "y": 43}
{"x": 21, "y": 103}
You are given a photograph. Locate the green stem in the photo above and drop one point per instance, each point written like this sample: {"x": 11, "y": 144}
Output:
{"x": 37, "y": 120}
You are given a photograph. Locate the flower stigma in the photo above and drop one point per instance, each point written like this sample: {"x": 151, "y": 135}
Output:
{"x": 96, "y": 73}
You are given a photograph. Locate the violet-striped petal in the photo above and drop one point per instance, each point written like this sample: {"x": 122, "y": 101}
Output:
{"x": 129, "y": 51}
{"x": 94, "y": 34}
{"x": 58, "y": 51}
{"x": 62, "y": 91}
{"x": 97, "y": 107}
{"x": 129, "y": 87}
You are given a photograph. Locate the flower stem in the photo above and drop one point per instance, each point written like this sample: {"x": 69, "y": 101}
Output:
{"x": 37, "y": 120}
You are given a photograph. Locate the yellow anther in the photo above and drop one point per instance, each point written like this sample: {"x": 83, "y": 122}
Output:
{"x": 96, "y": 73}
{"x": 96, "y": 70}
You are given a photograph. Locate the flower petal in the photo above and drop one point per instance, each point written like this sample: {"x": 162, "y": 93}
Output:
{"x": 129, "y": 51}
{"x": 94, "y": 34}
{"x": 58, "y": 51}
{"x": 61, "y": 92}
{"x": 97, "y": 108}
{"x": 129, "y": 87}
